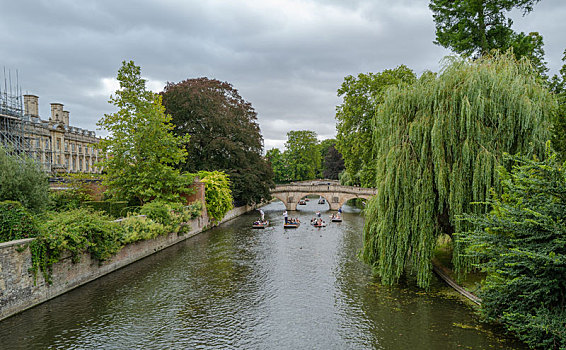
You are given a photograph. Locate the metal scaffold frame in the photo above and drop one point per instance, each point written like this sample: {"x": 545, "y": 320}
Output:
{"x": 12, "y": 135}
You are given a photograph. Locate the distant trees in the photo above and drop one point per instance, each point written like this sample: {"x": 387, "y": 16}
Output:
{"x": 333, "y": 164}
{"x": 224, "y": 134}
{"x": 362, "y": 96}
{"x": 143, "y": 150}
{"x": 305, "y": 158}
{"x": 279, "y": 165}
{"x": 303, "y": 155}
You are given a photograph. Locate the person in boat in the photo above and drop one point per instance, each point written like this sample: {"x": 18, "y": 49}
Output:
{"x": 317, "y": 214}
{"x": 332, "y": 217}
{"x": 340, "y": 210}
{"x": 285, "y": 216}
{"x": 262, "y": 215}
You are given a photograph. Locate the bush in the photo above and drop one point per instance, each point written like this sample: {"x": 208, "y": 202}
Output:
{"x": 136, "y": 228}
{"x": 158, "y": 211}
{"x": 22, "y": 180}
{"x": 16, "y": 222}
{"x": 62, "y": 200}
{"x": 521, "y": 246}
{"x": 217, "y": 193}
{"x": 76, "y": 231}
{"x": 115, "y": 209}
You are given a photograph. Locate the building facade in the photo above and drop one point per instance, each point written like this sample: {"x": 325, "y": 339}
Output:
{"x": 54, "y": 143}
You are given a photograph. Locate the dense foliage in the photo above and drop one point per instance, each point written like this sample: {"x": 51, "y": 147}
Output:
{"x": 305, "y": 158}
{"x": 332, "y": 164}
{"x": 302, "y": 155}
{"x": 521, "y": 244}
{"x": 217, "y": 193}
{"x": 74, "y": 232}
{"x": 83, "y": 230}
{"x": 141, "y": 147}
{"x": 16, "y": 222}
{"x": 558, "y": 87}
{"x": 22, "y": 180}
{"x": 225, "y": 135}
{"x": 362, "y": 96}
{"x": 279, "y": 165}
{"x": 77, "y": 191}
{"x": 475, "y": 27}
{"x": 437, "y": 144}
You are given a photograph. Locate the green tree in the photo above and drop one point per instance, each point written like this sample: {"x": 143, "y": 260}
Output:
{"x": 521, "y": 246}
{"x": 224, "y": 133}
{"x": 558, "y": 87}
{"x": 141, "y": 148}
{"x": 333, "y": 164}
{"x": 362, "y": 96}
{"x": 475, "y": 27}
{"x": 302, "y": 154}
{"x": 279, "y": 165}
{"x": 437, "y": 144}
{"x": 22, "y": 180}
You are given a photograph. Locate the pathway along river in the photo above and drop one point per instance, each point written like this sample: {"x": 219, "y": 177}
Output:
{"x": 233, "y": 287}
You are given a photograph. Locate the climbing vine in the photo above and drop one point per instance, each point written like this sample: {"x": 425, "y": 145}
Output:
{"x": 217, "y": 193}
{"x": 436, "y": 146}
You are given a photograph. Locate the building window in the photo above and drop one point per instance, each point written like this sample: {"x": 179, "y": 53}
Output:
{"x": 37, "y": 142}
{"x": 72, "y": 147}
{"x": 59, "y": 145}
{"x": 80, "y": 148}
{"x": 74, "y": 163}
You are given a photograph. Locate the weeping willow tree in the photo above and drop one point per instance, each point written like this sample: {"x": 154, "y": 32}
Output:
{"x": 437, "y": 145}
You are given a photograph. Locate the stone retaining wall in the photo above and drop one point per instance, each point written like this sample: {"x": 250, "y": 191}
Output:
{"x": 19, "y": 290}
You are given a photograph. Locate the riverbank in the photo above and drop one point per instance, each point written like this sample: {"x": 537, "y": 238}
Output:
{"x": 20, "y": 290}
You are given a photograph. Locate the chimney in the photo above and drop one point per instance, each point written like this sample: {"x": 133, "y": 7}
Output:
{"x": 31, "y": 105}
{"x": 66, "y": 117}
{"x": 56, "y": 113}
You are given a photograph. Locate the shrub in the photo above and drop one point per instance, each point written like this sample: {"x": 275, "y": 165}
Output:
{"x": 16, "y": 222}
{"x": 135, "y": 228}
{"x": 217, "y": 193}
{"x": 158, "y": 211}
{"x": 75, "y": 231}
{"x": 22, "y": 180}
{"x": 62, "y": 200}
{"x": 115, "y": 209}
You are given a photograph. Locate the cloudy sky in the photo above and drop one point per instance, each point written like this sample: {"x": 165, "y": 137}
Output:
{"x": 286, "y": 57}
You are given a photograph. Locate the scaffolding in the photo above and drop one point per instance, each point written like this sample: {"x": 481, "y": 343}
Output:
{"x": 12, "y": 135}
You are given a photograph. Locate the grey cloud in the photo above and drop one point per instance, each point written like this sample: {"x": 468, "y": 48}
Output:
{"x": 287, "y": 61}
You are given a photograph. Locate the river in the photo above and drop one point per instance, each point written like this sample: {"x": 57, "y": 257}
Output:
{"x": 234, "y": 287}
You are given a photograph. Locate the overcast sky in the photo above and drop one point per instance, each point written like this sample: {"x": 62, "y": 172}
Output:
{"x": 286, "y": 57}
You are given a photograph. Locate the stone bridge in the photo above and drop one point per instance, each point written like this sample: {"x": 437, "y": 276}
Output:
{"x": 334, "y": 193}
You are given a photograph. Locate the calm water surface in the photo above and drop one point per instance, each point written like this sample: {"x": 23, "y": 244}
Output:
{"x": 237, "y": 288}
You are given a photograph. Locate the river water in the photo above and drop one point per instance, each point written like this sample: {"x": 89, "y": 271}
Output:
{"x": 233, "y": 287}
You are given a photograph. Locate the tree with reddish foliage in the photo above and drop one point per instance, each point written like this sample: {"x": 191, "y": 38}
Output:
{"x": 224, "y": 134}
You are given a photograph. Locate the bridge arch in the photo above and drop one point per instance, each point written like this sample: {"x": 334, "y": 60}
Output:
{"x": 335, "y": 194}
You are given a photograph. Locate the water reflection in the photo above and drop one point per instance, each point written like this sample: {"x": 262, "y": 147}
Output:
{"x": 237, "y": 288}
